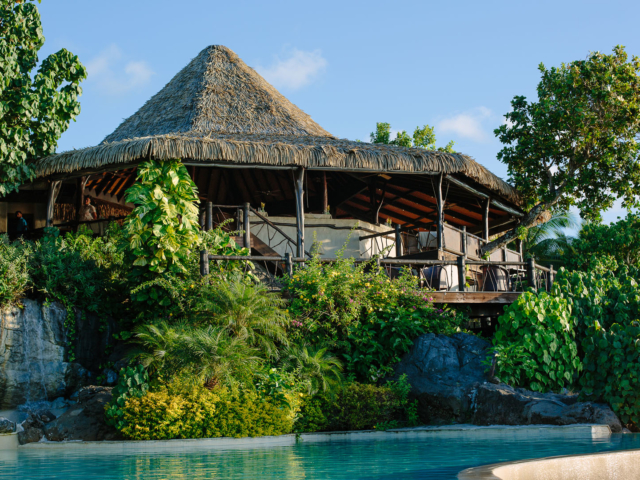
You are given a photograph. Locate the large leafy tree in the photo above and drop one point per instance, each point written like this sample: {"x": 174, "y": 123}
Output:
{"x": 578, "y": 144}
{"x": 35, "y": 106}
{"x": 548, "y": 242}
{"x": 163, "y": 227}
{"x": 600, "y": 246}
{"x": 424, "y": 137}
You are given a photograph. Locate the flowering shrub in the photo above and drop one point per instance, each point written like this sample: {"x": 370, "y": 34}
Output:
{"x": 360, "y": 313}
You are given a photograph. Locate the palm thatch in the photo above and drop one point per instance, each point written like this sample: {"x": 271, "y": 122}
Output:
{"x": 218, "y": 110}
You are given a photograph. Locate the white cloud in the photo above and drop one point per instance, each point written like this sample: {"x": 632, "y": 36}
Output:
{"x": 112, "y": 77}
{"x": 467, "y": 124}
{"x": 297, "y": 69}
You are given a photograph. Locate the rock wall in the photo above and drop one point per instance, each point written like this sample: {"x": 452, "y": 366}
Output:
{"x": 33, "y": 362}
{"x": 449, "y": 380}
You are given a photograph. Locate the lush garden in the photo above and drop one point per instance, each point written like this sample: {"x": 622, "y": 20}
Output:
{"x": 220, "y": 355}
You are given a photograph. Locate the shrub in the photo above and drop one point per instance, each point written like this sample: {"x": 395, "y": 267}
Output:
{"x": 203, "y": 355}
{"x": 612, "y": 368}
{"x": 133, "y": 382}
{"x": 14, "y": 275}
{"x": 201, "y": 413}
{"x": 163, "y": 227}
{"x": 386, "y": 334}
{"x": 361, "y": 314}
{"x": 542, "y": 328}
{"x": 360, "y": 407}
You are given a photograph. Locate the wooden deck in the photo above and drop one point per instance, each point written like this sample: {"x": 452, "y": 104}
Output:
{"x": 492, "y": 298}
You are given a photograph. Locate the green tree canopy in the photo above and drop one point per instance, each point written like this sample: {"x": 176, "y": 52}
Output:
{"x": 424, "y": 137}
{"x": 35, "y": 107}
{"x": 605, "y": 247}
{"x": 578, "y": 143}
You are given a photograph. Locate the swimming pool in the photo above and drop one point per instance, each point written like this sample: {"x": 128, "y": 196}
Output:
{"x": 434, "y": 456}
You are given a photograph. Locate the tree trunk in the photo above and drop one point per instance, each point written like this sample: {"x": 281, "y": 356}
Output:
{"x": 537, "y": 215}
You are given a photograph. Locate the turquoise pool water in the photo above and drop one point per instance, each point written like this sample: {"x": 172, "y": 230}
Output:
{"x": 433, "y": 457}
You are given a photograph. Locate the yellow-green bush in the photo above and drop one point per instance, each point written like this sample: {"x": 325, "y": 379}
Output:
{"x": 357, "y": 407}
{"x": 200, "y": 413}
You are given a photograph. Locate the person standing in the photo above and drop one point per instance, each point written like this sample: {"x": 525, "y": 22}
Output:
{"x": 22, "y": 227}
{"x": 88, "y": 212}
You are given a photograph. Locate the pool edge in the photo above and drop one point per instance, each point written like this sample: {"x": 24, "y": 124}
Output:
{"x": 594, "y": 431}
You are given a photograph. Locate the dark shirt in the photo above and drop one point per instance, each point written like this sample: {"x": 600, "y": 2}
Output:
{"x": 22, "y": 225}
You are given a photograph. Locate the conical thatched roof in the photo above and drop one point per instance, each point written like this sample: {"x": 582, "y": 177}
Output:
{"x": 217, "y": 93}
{"x": 217, "y": 110}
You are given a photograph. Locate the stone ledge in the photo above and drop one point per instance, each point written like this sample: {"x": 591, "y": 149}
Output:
{"x": 449, "y": 431}
{"x": 592, "y": 466}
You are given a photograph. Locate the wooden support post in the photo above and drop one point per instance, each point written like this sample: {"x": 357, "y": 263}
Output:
{"x": 462, "y": 273}
{"x": 440, "y": 208}
{"x": 203, "y": 217}
{"x": 299, "y": 191}
{"x": 81, "y": 184}
{"x": 204, "y": 263}
{"x": 209, "y": 216}
{"x": 246, "y": 226}
{"x": 504, "y": 254}
{"x": 531, "y": 273}
{"x": 54, "y": 190}
{"x": 398, "y": 241}
{"x": 325, "y": 194}
{"x": 519, "y": 247}
{"x": 485, "y": 220}
{"x": 551, "y": 278}
{"x": 464, "y": 240}
{"x": 288, "y": 263}
{"x": 373, "y": 201}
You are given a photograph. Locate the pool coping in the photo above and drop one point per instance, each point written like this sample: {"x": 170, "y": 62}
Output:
{"x": 592, "y": 430}
{"x": 485, "y": 472}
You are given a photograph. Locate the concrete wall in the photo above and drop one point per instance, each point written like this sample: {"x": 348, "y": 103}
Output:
{"x": 330, "y": 240}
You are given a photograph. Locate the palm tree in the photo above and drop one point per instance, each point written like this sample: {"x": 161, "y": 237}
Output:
{"x": 548, "y": 243}
{"x": 321, "y": 370}
{"x": 247, "y": 310}
{"x": 208, "y": 356}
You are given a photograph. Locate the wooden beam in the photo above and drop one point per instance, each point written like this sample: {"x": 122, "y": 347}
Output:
{"x": 440, "y": 211}
{"x": 325, "y": 193}
{"x": 299, "y": 189}
{"x": 485, "y": 220}
{"x": 54, "y": 190}
{"x": 81, "y": 184}
{"x": 395, "y": 216}
{"x": 494, "y": 202}
{"x": 501, "y": 298}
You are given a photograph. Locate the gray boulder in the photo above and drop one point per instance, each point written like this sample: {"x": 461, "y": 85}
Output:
{"x": 30, "y": 435}
{"x": 7, "y": 426}
{"x": 32, "y": 354}
{"x": 84, "y": 420}
{"x": 505, "y": 405}
{"x": 448, "y": 378}
{"x": 444, "y": 373}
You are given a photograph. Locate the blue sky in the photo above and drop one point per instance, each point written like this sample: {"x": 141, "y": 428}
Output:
{"x": 453, "y": 65}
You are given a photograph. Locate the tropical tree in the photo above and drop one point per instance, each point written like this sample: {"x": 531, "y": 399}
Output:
{"x": 162, "y": 229}
{"x": 424, "y": 137}
{"x": 247, "y": 311}
{"x": 315, "y": 366}
{"x": 36, "y": 106}
{"x": 614, "y": 245}
{"x": 578, "y": 144}
{"x": 208, "y": 356}
{"x": 548, "y": 242}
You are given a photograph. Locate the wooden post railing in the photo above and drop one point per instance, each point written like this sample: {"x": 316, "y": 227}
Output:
{"x": 462, "y": 273}
{"x": 246, "y": 226}
{"x": 531, "y": 273}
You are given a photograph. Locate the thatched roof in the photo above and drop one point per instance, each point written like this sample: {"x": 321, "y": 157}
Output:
{"x": 217, "y": 110}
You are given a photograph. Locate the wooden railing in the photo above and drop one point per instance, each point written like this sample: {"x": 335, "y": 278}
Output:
{"x": 459, "y": 275}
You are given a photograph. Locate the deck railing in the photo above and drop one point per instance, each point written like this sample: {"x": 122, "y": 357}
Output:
{"x": 460, "y": 275}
